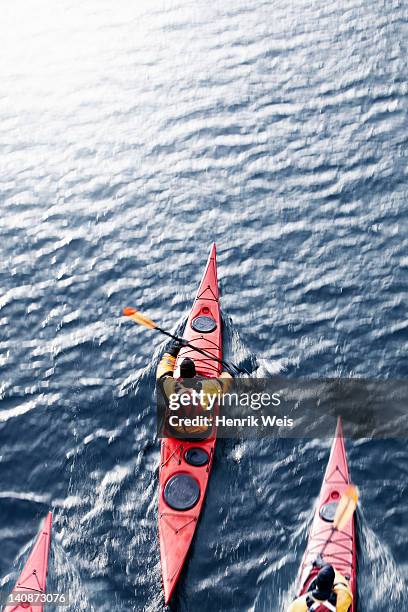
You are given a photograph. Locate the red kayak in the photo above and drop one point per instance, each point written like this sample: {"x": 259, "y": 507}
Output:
{"x": 33, "y": 578}
{"x": 185, "y": 465}
{"x": 341, "y": 552}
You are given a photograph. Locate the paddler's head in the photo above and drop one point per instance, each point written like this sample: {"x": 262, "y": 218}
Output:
{"x": 324, "y": 583}
{"x": 187, "y": 368}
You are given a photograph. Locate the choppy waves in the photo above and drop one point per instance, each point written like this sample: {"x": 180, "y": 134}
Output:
{"x": 132, "y": 137}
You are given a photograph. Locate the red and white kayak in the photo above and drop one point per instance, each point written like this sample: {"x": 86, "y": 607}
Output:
{"x": 187, "y": 464}
{"x": 33, "y": 578}
{"x": 341, "y": 552}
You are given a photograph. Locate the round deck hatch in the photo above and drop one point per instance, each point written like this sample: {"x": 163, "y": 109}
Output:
{"x": 204, "y": 324}
{"x": 196, "y": 456}
{"x": 327, "y": 511}
{"x": 181, "y": 492}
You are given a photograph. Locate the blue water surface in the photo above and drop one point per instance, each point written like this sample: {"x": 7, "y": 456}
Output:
{"x": 132, "y": 135}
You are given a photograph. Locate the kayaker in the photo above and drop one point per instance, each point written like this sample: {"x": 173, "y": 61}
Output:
{"x": 189, "y": 380}
{"x": 329, "y": 591}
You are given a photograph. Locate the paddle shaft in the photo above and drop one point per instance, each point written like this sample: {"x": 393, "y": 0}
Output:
{"x": 195, "y": 348}
{"x": 348, "y": 502}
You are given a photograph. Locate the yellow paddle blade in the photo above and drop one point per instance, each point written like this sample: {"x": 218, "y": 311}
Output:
{"x": 137, "y": 317}
{"x": 346, "y": 507}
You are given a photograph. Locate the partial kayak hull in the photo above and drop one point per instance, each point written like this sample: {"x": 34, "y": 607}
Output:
{"x": 33, "y": 578}
{"x": 177, "y": 527}
{"x": 341, "y": 552}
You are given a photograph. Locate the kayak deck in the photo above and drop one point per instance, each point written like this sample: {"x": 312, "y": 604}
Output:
{"x": 33, "y": 578}
{"x": 177, "y": 527}
{"x": 341, "y": 552}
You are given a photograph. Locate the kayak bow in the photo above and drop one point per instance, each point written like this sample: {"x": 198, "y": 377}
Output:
{"x": 340, "y": 551}
{"x": 33, "y": 578}
{"x": 189, "y": 462}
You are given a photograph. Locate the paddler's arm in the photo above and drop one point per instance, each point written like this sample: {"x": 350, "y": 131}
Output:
{"x": 225, "y": 378}
{"x": 299, "y": 605}
{"x": 217, "y": 386}
{"x": 342, "y": 589}
{"x": 165, "y": 368}
{"x": 168, "y": 361}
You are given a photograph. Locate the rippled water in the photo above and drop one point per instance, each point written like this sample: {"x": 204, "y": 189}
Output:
{"x": 132, "y": 136}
